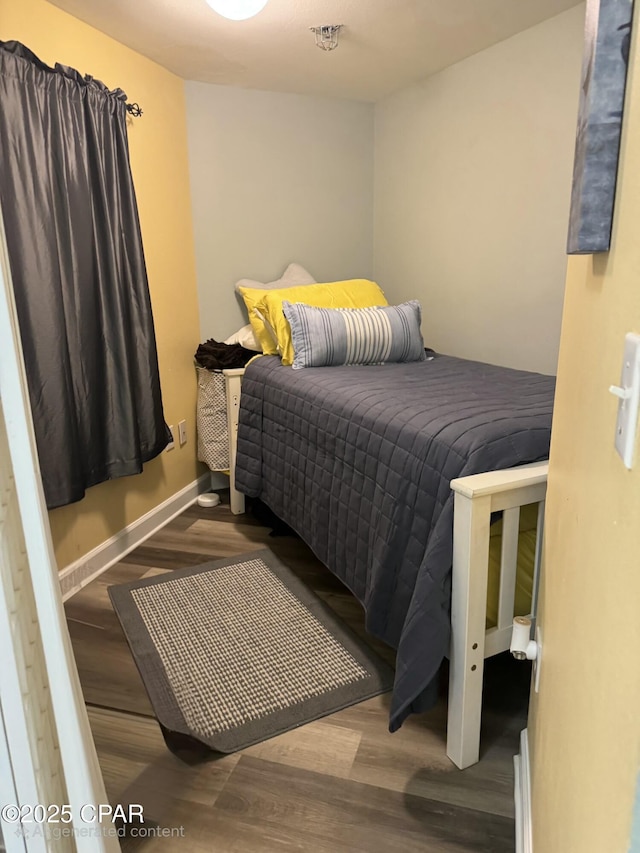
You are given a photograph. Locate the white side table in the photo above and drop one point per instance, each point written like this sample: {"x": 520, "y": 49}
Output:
{"x": 233, "y": 385}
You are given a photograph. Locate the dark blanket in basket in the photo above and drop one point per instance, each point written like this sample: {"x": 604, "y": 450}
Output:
{"x": 358, "y": 461}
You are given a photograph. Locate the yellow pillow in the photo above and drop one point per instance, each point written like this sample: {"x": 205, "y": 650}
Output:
{"x": 253, "y": 291}
{"x": 252, "y": 296}
{"x": 354, "y": 293}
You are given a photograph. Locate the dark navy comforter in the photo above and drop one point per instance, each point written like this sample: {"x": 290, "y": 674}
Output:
{"x": 358, "y": 461}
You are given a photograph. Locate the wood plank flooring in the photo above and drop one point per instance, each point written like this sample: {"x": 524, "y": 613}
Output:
{"x": 342, "y": 783}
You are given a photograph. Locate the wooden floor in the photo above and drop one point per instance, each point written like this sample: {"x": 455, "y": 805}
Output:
{"x": 342, "y": 783}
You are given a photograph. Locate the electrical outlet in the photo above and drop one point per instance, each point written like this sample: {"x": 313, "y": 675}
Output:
{"x": 172, "y": 443}
{"x": 182, "y": 432}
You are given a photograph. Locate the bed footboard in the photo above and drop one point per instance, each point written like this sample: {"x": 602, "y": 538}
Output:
{"x": 476, "y": 497}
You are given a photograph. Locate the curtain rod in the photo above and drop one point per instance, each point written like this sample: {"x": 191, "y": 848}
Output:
{"x": 23, "y": 52}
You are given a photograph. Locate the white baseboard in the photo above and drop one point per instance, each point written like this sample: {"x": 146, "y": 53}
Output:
{"x": 76, "y": 575}
{"x": 522, "y": 796}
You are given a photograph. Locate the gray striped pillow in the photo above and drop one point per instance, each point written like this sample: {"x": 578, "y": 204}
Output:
{"x": 331, "y": 336}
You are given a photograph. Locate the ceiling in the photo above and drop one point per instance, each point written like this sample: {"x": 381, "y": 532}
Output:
{"x": 384, "y": 46}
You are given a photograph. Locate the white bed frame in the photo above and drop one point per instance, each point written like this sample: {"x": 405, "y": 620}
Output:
{"x": 476, "y": 498}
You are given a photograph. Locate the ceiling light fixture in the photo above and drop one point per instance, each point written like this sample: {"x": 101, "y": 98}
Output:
{"x": 327, "y": 36}
{"x": 237, "y": 10}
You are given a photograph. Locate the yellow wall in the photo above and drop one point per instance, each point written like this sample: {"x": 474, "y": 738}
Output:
{"x": 158, "y": 147}
{"x": 585, "y": 722}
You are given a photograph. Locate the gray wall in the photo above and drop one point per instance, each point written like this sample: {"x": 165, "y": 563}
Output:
{"x": 276, "y": 178}
{"x": 472, "y": 188}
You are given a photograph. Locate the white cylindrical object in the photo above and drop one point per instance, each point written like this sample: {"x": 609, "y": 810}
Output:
{"x": 521, "y": 634}
{"x": 209, "y": 499}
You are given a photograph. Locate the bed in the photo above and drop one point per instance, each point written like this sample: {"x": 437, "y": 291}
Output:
{"x": 366, "y": 463}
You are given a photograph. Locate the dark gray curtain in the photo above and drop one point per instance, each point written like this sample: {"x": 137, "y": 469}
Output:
{"x": 79, "y": 275}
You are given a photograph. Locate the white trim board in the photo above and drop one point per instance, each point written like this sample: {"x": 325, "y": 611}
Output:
{"x": 15, "y": 843}
{"x": 635, "y": 830}
{"x": 522, "y": 796}
{"x": 78, "y": 574}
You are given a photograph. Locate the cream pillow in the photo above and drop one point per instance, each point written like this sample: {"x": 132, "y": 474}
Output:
{"x": 353, "y": 293}
{"x": 245, "y": 338}
{"x": 292, "y": 276}
{"x": 253, "y": 291}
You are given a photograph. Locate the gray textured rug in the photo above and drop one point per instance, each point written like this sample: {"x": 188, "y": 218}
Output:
{"x": 237, "y": 651}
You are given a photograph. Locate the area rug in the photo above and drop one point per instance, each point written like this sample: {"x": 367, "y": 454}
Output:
{"x": 236, "y": 651}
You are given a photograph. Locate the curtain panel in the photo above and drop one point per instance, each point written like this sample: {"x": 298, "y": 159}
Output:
{"x": 79, "y": 275}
